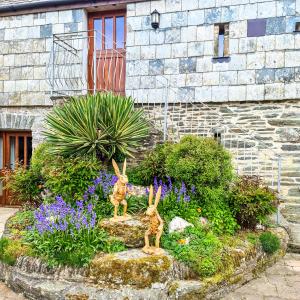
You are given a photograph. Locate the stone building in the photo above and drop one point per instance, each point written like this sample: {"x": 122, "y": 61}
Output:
{"x": 229, "y": 69}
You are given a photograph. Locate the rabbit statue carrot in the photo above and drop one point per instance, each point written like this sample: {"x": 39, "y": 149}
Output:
{"x": 156, "y": 224}
{"x": 119, "y": 193}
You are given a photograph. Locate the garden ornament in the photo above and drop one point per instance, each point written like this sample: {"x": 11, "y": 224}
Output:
{"x": 155, "y": 226}
{"x": 119, "y": 193}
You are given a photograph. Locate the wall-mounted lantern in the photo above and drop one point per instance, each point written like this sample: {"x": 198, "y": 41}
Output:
{"x": 155, "y": 18}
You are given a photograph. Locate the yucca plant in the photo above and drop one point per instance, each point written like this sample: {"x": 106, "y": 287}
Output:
{"x": 101, "y": 124}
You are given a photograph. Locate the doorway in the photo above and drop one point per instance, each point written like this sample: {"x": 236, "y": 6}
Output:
{"x": 15, "y": 150}
{"x": 107, "y": 52}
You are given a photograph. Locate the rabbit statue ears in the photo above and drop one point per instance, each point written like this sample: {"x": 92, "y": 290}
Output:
{"x": 116, "y": 168}
{"x": 157, "y": 196}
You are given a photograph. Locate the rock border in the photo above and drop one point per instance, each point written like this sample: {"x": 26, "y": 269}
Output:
{"x": 37, "y": 282}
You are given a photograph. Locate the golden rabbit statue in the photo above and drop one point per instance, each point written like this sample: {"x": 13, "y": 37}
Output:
{"x": 119, "y": 193}
{"x": 156, "y": 224}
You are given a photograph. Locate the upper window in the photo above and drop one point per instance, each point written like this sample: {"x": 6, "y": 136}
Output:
{"x": 221, "y": 48}
{"x": 256, "y": 27}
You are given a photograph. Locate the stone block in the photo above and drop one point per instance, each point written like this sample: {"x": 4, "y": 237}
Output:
{"x": 204, "y": 64}
{"x": 135, "y": 52}
{"x": 248, "y": 11}
{"x": 211, "y": 78}
{"x": 229, "y": 14}
{"x": 33, "y": 33}
{"x": 171, "y": 66}
{"x": 142, "y": 9}
{"x": 142, "y": 38}
{"x": 27, "y": 20}
{"x": 274, "y": 59}
{"x": 285, "y": 41}
{"x": 134, "y": 23}
{"x": 298, "y": 6}
{"x": 266, "y": 10}
{"x": 156, "y": 67}
{"x": 190, "y": 5}
{"x": 195, "y": 17}
{"x": 187, "y": 65}
{"x": 146, "y": 52}
{"x": 179, "y": 50}
{"x": 46, "y": 31}
{"x": 4, "y": 73}
{"x": 146, "y": 23}
{"x": 247, "y": 45}
{"x": 265, "y": 76}
{"x": 238, "y": 29}
{"x": 274, "y": 91}
{"x": 9, "y": 86}
{"x": 205, "y": 33}
{"x": 292, "y": 58}
{"x": 237, "y": 62}
{"x": 159, "y": 5}
{"x": 163, "y": 51}
{"x": 203, "y": 93}
{"x": 194, "y": 79}
{"x": 157, "y": 37}
{"x": 33, "y": 85}
{"x": 275, "y": 25}
{"x": 265, "y": 43}
{"x": 219, "y": 93}
{"x": 292, "y": 90}
{"x": 286, "y": 7}
{"x": 52, "y": 17}
{"x": 255, "y": 92}
{"x": 195, "y": 49}
{"x": 65, "y": 16}
{"x": 176, "y": 81}
{"x": 208, "y": 47}
{"x": 291, "y": 22}
{"x": 246, "y": 77}
{"x": 285, "y": 75}
{"x": 147, "y": 82}
{"x": 9, "y": 60}
{"x": 228, "y": 78}
{"x": 173, "y": 5}
{"x": 21, "y": 85}
{"x": 237, "y": 93}
{"x": 207, "y": 4}
{"x": 70, "y": 27}
{"x": 212, "y": 16}
{"x": 186, "y": 94}
{"x": 179, "y": 19}
{"x": 172, "y": 35}
{"x": 77, "y": 15}
{"x": 188, "y": 34}
{"x": 165, "y": 21}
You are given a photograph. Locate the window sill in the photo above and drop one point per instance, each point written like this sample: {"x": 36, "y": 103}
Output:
{"x": 296, "y": 31}
{"x": 221, "y": 59}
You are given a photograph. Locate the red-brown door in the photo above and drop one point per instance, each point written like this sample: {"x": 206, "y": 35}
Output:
{"x": 15, "y": 151}
{"x": 107, "y": 54}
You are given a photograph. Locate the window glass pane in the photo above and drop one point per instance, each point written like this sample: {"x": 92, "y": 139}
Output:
{"x": 221, "y": 45}
{"x": 12, "y": 152}
{"x": 256, "y": 27}
{"x": 21, "y": 149}
{"x": 98, "y": 33}
{"x": 120, "y": 32}
{"x": 1, "y": 153}
{"x": 29, "y": 149}
{"x": 109, "y": 33}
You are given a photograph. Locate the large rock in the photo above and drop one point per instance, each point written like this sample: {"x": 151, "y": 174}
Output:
{"x": 131, "y": 232}
{"x": 178, "y": 224}
{"x": 136, "y": 268}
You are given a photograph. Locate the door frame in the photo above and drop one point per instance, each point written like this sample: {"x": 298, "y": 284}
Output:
{"x": 5, "y": 135}
{"x": 108, "y": 52}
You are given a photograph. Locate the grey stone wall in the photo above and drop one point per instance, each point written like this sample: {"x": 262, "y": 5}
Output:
{"x": 25, "y": 45}
{"x": 181, "y": 51}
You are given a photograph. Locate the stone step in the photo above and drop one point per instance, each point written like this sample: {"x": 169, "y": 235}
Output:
{"x": 135, "y": 268}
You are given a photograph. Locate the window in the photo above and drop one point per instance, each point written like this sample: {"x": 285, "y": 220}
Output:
{"x": 218, "y": 137}
{"x": 297, "y": 27}
{"x": 256, "y": 27}
{"x": 221, "y": 48}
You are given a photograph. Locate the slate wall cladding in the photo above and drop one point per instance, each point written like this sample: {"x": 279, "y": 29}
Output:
{"x": 183, "y": 46}
{"x": 25, "y": 45}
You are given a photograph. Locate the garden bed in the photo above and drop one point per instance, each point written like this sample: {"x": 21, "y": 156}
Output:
{"x": 135, "y": 275}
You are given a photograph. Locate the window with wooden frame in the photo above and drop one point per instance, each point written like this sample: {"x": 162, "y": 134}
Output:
{"x": 221, "y": 40}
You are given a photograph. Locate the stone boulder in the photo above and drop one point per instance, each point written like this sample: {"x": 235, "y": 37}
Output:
{"x": 131, "y": 232}
{"x": 136, "y": 268}
{"x": 178, "y": 225}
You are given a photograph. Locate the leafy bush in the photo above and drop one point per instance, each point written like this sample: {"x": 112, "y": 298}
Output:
{"x": 270, "y": 242}
{"x": 69, "y": 236}
{"x": 199, "y": 162}
{"x": 10, "y": 250}
{"x": 70, "y": 177}
{"x": 102, "y": 125}
{"x": 19, "y": 223}
{"x": 25, "y": 185}
{"x": 251, "y": 201}
{"x": 153, "y": 165}
{"x": 198, "y": 248}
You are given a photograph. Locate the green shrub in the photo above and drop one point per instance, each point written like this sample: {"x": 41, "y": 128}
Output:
{"x": 41, "y": 158}
{"x": 199, "y": 162}
{"x": 70, "y": 177}
{"x": 10, "y": 250}
{"x": 102, "y": 125}
{"x": 198, "y": 248}
{"x": 19, "y": 223}
{"x": 251, "y": 201}
{"x": 153, "y": 165}
{"x": 269, "y": 242}
{"x": 25, "y": 185}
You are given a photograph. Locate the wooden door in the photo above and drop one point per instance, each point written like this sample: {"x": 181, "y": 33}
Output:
{"x": 107, "y": 54}
{"x": 15, "y": 151}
